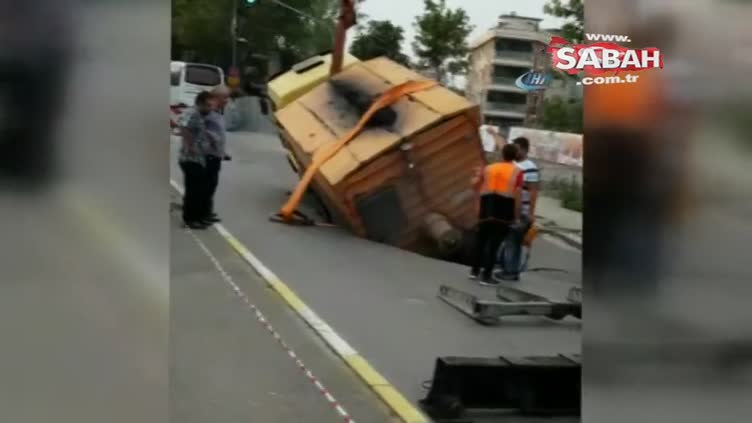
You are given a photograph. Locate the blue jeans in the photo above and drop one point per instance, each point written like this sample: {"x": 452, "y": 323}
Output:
{"x": 510, "y": 255}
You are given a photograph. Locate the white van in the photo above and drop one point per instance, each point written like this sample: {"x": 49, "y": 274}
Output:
{"x": 187, "y": 80}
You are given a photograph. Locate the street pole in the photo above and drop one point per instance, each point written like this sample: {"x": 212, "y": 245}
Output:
{"x": 234, "y": 31}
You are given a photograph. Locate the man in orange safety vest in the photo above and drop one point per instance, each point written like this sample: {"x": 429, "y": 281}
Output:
{"x": 500, "y": 186}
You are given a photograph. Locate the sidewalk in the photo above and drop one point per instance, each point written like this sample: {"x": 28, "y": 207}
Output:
{"x": 557, "y": 221}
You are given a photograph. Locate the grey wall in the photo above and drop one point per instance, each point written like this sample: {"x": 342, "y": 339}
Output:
{"x": 551, "y": 171}
{"x": 244, "y": 114}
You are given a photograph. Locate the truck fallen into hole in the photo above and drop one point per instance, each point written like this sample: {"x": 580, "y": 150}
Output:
{"x": 405, "y": 179}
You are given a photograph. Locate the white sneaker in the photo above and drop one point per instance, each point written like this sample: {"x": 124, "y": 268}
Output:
{"x": 488, "y": 282}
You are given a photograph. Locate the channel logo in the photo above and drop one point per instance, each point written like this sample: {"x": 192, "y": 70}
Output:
{"x": 533, "y": 81}
{"x": 600, "y": 58}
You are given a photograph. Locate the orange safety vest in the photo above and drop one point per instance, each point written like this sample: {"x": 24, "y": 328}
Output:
{"x": 500, "y": 179}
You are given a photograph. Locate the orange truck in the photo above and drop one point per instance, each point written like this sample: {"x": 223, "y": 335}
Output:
{"x": 389, "y": 152}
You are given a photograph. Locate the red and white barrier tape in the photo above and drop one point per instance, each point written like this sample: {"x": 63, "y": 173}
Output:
{"x": 264, "y": 322}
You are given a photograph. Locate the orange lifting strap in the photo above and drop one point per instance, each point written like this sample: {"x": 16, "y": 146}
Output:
{"x": 320, "y": 157}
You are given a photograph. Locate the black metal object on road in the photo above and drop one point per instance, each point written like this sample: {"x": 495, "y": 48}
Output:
{"x": 511, "y": 302}
{"x": 528, "y": 386}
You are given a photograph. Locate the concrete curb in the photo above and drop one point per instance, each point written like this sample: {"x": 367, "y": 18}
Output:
{"x": 571, "y": 237}
{"x": 572, "y": 241}
{"x": 388, "y": 394}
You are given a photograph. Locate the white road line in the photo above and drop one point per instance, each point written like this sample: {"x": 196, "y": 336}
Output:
{"x": 386, "y": 392}
{"x": 265, "y": 322}
{"x": 336, "y": 342}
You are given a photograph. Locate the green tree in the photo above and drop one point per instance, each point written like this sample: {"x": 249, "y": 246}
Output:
{"x": 319, "y": 31}
{"x": 271, "y": 28}
{"x": 563, "y": 116}
{"x": 441, "y": 38}
{"x": 203, "y": 28}
{"x": 574, "y": 12}
{"x": 379, "y": 38}
{"x": 559, "y": 115}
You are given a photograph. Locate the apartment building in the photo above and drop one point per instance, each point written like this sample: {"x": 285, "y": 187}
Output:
{"x": 515, "y": 46}
{"x": 562, "y": 86}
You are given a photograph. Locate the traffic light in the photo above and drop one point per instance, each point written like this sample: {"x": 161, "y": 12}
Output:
{"x": 250, "y": 1}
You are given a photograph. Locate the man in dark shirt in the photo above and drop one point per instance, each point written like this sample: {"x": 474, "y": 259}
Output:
{"x": 196, "y": 144}
{"x": 215, "y": 126}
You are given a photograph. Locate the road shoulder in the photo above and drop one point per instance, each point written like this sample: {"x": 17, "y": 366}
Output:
{"x": 227, "y": 362}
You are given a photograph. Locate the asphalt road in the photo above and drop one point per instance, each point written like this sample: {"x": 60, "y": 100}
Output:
{"x": 226, "y": 366}
{"x": 380, "y": 299}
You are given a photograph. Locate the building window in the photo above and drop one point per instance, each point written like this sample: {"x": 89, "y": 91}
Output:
{"x": 508, "y": 44}
{"x": 506, "y": 72}
{"x": 503, "y": 97}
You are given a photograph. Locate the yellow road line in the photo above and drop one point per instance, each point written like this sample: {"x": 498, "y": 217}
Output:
{"x": 393, "y": 399}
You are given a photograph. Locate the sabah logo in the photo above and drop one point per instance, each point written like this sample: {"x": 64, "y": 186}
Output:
{"x": 601, "y": 58}
{"x": 532, "y": 81}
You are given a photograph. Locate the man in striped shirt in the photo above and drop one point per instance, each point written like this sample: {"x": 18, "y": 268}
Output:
{"x": 531, "y": 181}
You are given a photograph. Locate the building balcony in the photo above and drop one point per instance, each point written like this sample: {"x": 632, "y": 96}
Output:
{"x": 514, "y": 56}
{"x": 503, "y": 80}
{"x": 505, "y": 84}
{"x": 504, "y": 107}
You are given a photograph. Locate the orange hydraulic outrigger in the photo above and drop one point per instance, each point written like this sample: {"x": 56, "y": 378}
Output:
{"x": 346, "y": 21}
